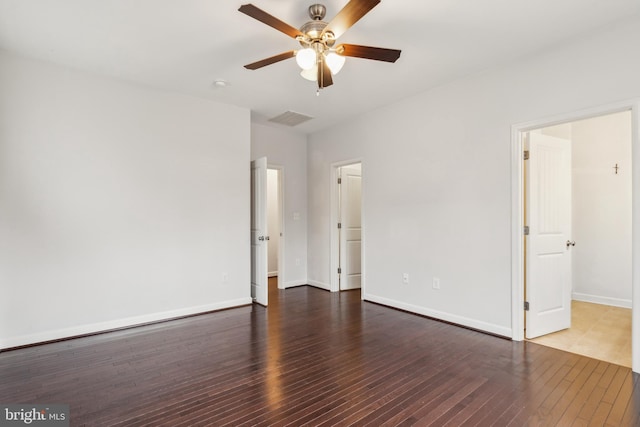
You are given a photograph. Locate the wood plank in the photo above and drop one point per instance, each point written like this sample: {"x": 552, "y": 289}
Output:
{"x": 571, "y": 395}
{"x": 528, "y": 393}
{"x": 600, "y": 415}
{"x": 582, "y": 396}
{"x": 614, "y": 388}
{"x": 316, "y": 358}
{"x": 621, "y": 402}
{"x": 632, "y": 413}
{"x": 596, "y": 396}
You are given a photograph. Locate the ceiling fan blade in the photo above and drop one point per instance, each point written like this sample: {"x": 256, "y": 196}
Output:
{"x": 368, "y": 52}
{"x": 349, "y": 15}
{"x": 324, "y": 75}
{"x": 271, "y": 60}
{"x": 272, "y": 21}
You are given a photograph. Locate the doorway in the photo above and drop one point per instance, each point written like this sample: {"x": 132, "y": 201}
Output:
{"x": 275, "y": 260}
{"x": 267, "y": 227}
{"x": 588, "y": 234}
{"x": 587, "y": 308}
{"x": 347, "y": 234}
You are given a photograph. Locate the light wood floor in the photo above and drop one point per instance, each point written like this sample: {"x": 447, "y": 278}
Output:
{"x": 599, "y": 331}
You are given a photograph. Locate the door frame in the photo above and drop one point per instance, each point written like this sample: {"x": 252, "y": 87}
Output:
{"x": 281, "y": 240}
{"x": 334, "y": 285}
{"x": 517, "y": 213}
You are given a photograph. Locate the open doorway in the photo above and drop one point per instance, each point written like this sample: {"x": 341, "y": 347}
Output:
{"x": 588, "y": 286}
{"x": 267, "y": 261}
{"x": 347, "y": 234}
{"x": 275, "y": 260}
{"x": 577, "y": 186}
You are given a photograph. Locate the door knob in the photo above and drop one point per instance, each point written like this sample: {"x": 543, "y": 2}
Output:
{"x": 570, "y": 243}
{"x": 261, "y": 238}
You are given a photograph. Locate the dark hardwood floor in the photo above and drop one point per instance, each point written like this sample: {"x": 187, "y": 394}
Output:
{"x": 317, "y": 358}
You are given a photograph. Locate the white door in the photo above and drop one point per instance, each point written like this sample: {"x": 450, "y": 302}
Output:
{"x": 351, "y": 227}
{"x": 548, "y": 245}
{"x": 259, "y": 237}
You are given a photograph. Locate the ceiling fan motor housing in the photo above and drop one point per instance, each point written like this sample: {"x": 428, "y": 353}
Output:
{"x": 313, "y": 29}
{"x": 317, "y": 12}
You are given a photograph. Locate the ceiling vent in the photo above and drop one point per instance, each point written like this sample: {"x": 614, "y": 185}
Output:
{"x": 290, "y": 118}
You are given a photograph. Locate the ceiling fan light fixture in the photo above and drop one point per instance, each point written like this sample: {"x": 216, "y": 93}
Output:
{"x": 311, "y": 74}
{"x": 334, "y": 62}
{"x": 306, "y": 58}
{"x": 319, "y": 58}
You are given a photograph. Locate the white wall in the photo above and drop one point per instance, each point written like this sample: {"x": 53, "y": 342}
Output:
{"x": 288, "y": 149}
{"x": 118, "y": 204}
{"x": 602, "y": 209}
{"x": 273, "y": 221}
{"x": 437, "y": 189}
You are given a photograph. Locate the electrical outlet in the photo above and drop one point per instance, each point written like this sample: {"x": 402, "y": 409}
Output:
{"x": 225, "y": 277}
{"x": 405, "y": 278}
{"x": 436, "y": 283}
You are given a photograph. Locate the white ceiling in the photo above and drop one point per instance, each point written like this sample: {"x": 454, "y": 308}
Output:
{"x": 184, "y": 45}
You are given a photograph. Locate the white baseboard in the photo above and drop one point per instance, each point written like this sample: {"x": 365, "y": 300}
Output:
{"x": 272, "y": 273}
{"x": 616, "y": 302}
{"x": 320, "y": 285}
{"x": 116, "y": 324}
{"x": 447, "y": 317}
{"x": 294, "y": 283}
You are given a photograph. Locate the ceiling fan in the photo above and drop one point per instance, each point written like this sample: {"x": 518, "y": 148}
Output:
{"x": 319, "y": 57}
